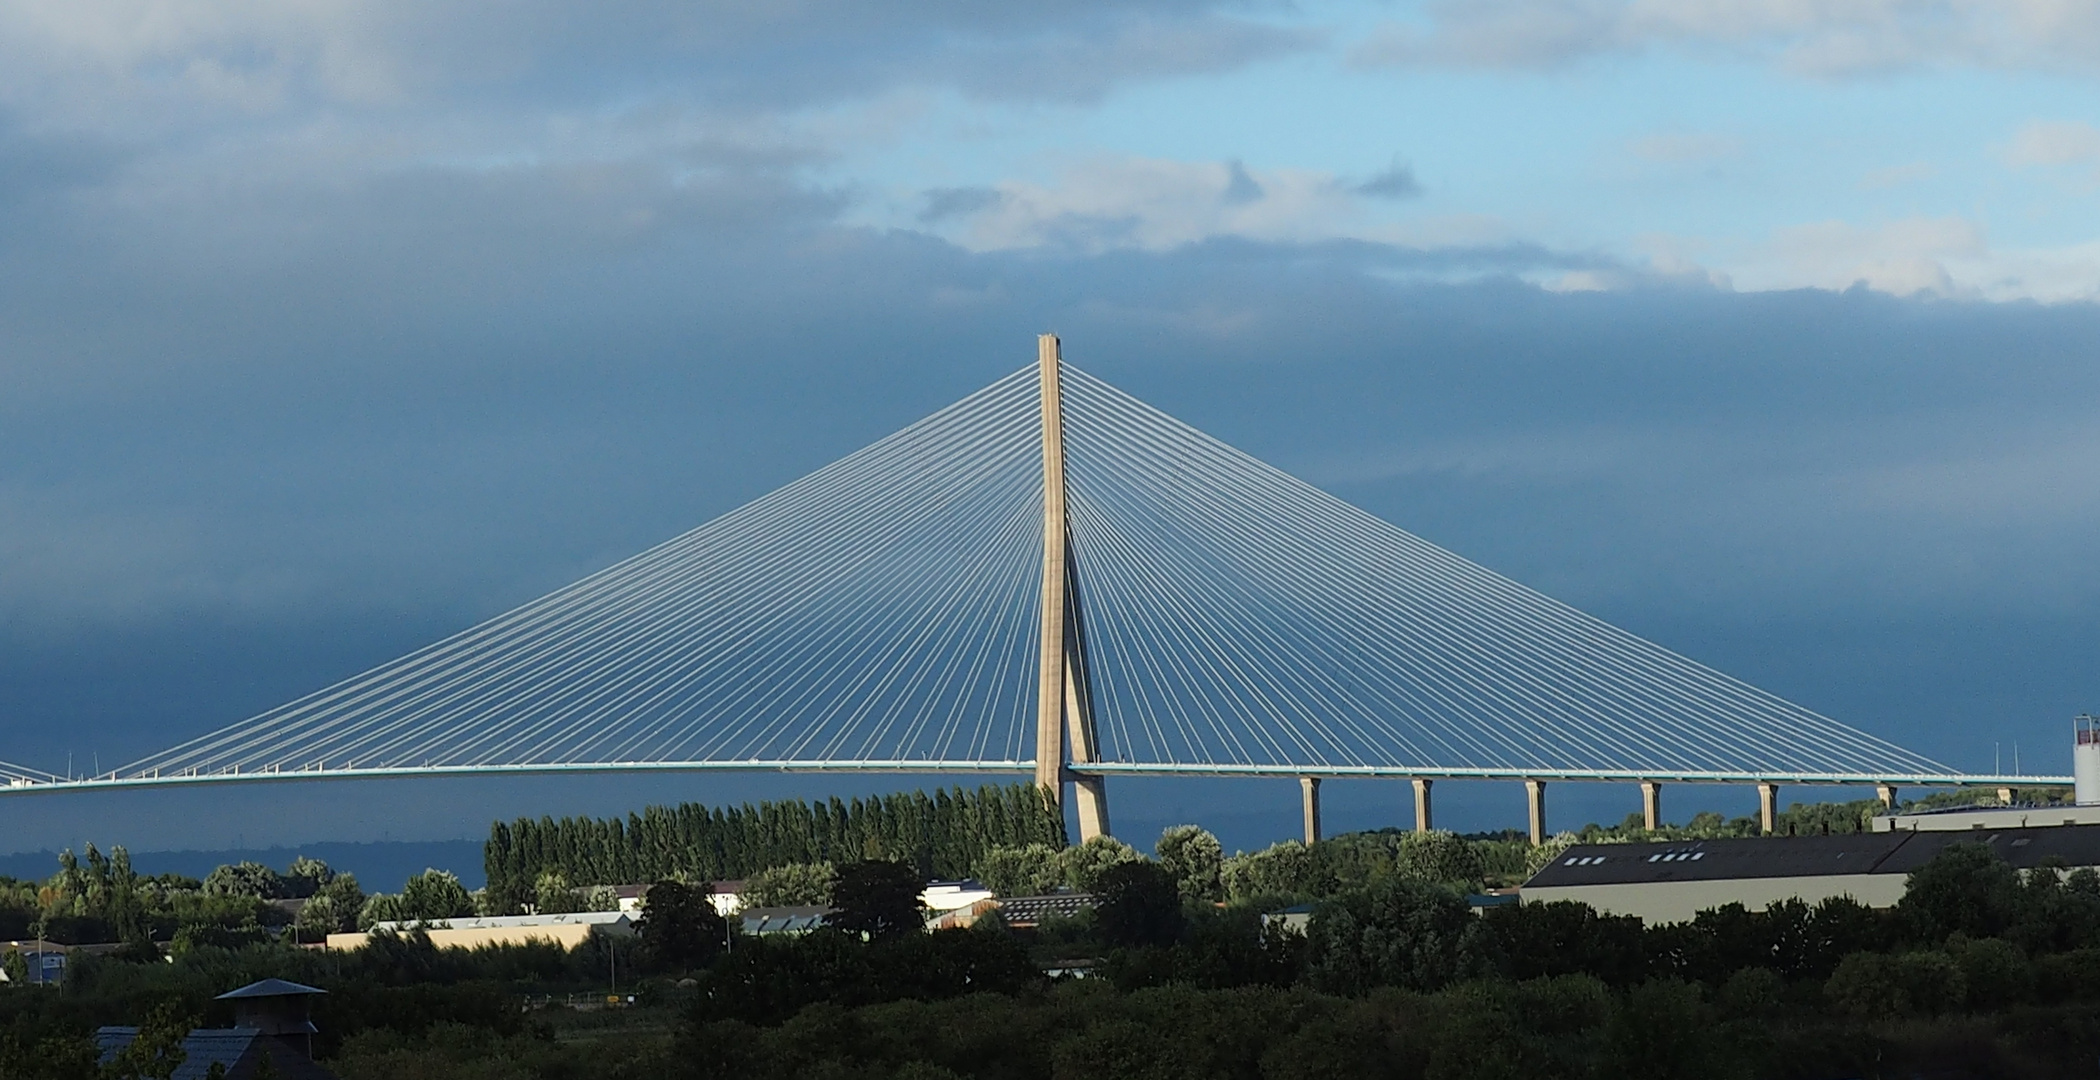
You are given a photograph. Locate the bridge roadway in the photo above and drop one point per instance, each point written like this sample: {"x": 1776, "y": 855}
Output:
{"x": 1310, "y": 779}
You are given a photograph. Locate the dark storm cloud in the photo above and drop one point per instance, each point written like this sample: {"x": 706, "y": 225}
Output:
{"x": 202, "y": 63}
{"x": 945, "y": 203}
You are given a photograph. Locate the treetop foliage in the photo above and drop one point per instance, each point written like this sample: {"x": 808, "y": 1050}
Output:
{"x": 942, "y": 836}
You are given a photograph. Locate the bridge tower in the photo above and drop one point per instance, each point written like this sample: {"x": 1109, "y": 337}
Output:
{"x": 1064, "y": 695}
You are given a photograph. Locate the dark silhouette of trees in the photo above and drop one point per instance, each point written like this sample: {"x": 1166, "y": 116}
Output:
{"x": 1138, "y": 903}
{"x": 680, "y": 928}
{"x": 877, "y": 900}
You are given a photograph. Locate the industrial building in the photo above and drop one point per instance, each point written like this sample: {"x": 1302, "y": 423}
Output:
{"x": 1673, "y": 881}
{"x": 566, "y": 930}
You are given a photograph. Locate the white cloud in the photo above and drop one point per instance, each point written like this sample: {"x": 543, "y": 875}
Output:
{"x": 1815, "y": 37}
{"x": 1155, "y": 203}
{"x": 2047, "y": 143}
{"x": 1896, "y": 176}
{"x": 1943, "y": 256}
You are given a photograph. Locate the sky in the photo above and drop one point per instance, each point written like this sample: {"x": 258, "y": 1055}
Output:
{"x": 1767, "y": 329}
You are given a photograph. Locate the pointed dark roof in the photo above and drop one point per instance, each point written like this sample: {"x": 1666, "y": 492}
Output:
{"x": 270, "y": 988}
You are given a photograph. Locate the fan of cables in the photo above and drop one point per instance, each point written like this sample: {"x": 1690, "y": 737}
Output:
{"x": 882, "y": 611}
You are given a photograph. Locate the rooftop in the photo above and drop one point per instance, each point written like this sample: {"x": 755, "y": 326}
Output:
{"x": 270, "y": 988}
{"x": 1806, "y": 856}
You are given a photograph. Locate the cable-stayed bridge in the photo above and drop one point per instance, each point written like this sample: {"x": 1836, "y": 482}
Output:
{"x": 1049, "y": 577}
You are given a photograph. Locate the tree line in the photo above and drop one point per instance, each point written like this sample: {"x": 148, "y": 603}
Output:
{"x": 942, "y": 835}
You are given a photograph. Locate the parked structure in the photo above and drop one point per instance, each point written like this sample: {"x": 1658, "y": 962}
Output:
{"x": 1672, "y": 882}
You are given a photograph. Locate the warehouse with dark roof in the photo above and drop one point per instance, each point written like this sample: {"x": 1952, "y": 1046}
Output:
{"x": 1673, "y": 881}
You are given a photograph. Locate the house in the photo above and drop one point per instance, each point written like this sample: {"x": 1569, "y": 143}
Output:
{"x": 270, "y": 1026}
{"x": 941, "y": 897}
{"x": 567, "y": 930}
{"x": 727, "y": 897}
{"x": 1673, "y": 881}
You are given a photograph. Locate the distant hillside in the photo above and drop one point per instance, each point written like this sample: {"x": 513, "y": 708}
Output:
{"x": 380, "y": 867}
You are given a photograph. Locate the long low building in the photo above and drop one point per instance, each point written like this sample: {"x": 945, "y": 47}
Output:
{"x": 1674, "y": 880}
{"x": 566, "y": 930}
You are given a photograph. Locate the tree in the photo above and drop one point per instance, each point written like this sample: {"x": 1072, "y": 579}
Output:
{"x": 436, "y": 894}
{"x": 1029, "y": 870}
{"x": 1084, "y": 864}
{"x": 1439, "y": 856}
{"x": 1139, "y": 903}
{"x": 1966, "y": 888}
{"x": 680, "y": 927}
{"x": 306, "y": 876}
{"x": 245, "y": 879}
{"x": 340, "y": 898}
{"x": 876, "y": 899}
{"x": 553, "y": 895}
{"x": 1395, "y": 932}
{"x": 793, "y": 885}
{"x": 1195, "y": 859}
{"x": 1284, "y": 869}
{"x": 156, "y": 1051}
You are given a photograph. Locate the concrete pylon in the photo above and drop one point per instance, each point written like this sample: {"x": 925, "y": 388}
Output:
{"x": 1423, "y": 822}
{"x": 1064, "y": 694}
{"x": 1309, "y": 787}
{"x": 1768, "y": 807}
{"x": 1535, "y": 796}
{"x": 1651, "y": 804}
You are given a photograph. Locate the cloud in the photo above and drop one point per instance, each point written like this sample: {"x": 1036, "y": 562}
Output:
{"x": 1943, "y": 257}
{"x": 1901, "y": 257}
{"x": 1822, "y": 38}
{"x": 1686, "y": 148}
{"x": 945, "y": 203}
{"x": 2053, "y": 143}
{"x": 1154, "y": 204}
{"x": 1896, "y": 176}
{"x": 143, "y": 65}
{"x": 1396, "y": 181}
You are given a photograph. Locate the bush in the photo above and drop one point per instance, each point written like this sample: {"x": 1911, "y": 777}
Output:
{"x": 1867, "y": 985}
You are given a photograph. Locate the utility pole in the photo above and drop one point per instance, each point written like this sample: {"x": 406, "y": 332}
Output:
{"x": 1064, "y": 697}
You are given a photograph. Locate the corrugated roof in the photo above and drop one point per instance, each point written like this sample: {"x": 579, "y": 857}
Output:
{"x": 1031, "y": 910}
{"x": 1806, "y": 856}
{"x": 227, "y": 1048}
{"x": 2076, "y": 845}
{"x": 1717, "y": 860}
